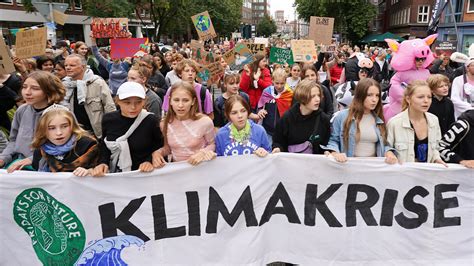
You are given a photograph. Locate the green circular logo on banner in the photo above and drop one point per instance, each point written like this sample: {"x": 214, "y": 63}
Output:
{"x": 203, "y": 23}
{"x": 56, "y": 233}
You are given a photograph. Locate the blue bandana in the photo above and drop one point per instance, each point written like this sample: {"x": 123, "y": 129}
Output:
{"x": 57, "y": 150}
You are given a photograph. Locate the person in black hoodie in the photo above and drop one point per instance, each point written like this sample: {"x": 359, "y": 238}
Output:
{"x": 304, "y": 127}
{"x": 457, "y": 146}
{"x": 441, "y": 105}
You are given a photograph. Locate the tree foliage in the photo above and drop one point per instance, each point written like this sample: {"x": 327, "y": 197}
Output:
{"x": 171, "y": 17}
{"x": 352, "y": 17}
{"x": 266, "y": 27}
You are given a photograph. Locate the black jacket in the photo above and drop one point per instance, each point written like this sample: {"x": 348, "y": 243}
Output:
{"x": 295, "y": 128}
{"x": 444, "y": 110}
{"x": 351, "y": 70}
{"x": 457, "y": 143}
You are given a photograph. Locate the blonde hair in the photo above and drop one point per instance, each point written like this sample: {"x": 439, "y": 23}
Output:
{"x": 410, "y": 90}
{"x": 42, "y": 128}
{"x": 435, "y": 80}
{"x": 142, "y": 70}
{"x": 279, "y": 73}
{"x": 171, "y": 115}
{"x": 302, "y": 93}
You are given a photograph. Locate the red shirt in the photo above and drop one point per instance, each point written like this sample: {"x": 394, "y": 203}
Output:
{"x": 264, "y": 81}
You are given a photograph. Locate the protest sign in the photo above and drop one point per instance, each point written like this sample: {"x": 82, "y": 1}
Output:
{"x": 256, "y": 48}
{"x": 303, "y": 50}
{"x": 127, "y": 47}
{"x": 59, "y": 17}
{"x": 303, "y": 209}
{"x": 6, "y": 62}
{"x": 260, "y": 40}
{"x": 281, "y": 56}
{"x": 445, "y": 47}
{"x": 216, "y": 71}
{"x": 30, "y": 43}
{"x": 109, "y": 27}
{"x": 238, "y": 57}
{"x": 320, "y": 30}
{"x": 203, "y": 24}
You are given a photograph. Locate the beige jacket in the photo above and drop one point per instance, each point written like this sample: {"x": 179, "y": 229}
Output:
{"x": 401, "y": 136}
{"x": 98, "y": 101}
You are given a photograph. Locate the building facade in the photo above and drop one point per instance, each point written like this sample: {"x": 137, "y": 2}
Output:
{"x": 463, "y": 15}
{"x": 77, "y": 28}
{"x": 408, "y": 18}
{"x": 260, "y": 8}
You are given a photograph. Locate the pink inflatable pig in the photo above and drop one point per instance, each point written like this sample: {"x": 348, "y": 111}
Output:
{"x": 403, "y": 61}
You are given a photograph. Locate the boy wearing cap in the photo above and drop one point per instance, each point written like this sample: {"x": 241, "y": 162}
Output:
{"x": 130, "y": 134}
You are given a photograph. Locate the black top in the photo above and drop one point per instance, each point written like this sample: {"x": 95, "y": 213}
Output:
{"x": 81, "y": 114}
{"x": 158, "y": 84}
{"x": 421, "y": 149}
{"x": 9, "y": 91}
{"x": 444, "y": 110}
{"x": 295, "y": 128}
{"x": 146, "y": 138}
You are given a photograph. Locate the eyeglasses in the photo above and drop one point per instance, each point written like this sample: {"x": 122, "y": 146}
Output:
{"x": 420, "y": 59}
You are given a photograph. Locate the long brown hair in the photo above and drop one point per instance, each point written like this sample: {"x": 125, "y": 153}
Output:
{"x": 171, "y": 115}
{"x": 254, "y": 67}
{"x": 50, "y": 85}
{"x": 42, "y": 128}
{"x": 356, "y": 110}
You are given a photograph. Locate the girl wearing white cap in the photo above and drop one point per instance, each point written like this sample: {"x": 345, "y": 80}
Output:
{"x": 130, "y": 135}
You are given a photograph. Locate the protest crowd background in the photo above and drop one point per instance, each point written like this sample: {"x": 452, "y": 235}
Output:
{"x": 139, "y": 105}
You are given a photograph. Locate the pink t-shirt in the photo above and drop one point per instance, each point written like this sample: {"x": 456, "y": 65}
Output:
{"x": 208, "y": 108}
{"x": 189, "y": 136}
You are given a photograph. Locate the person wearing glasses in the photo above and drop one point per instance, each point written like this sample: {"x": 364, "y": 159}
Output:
{"x": 411, "y": 59}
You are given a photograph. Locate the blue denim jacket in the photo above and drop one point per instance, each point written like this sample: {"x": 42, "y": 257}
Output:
{"x": 336, "y": 141}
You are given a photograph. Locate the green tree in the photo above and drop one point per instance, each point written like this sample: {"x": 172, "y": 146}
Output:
{"x": 266, "y": 27}
{"x": 352, "y": 17}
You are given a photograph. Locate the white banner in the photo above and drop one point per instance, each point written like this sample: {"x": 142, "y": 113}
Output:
{"x": 301, "y": 209}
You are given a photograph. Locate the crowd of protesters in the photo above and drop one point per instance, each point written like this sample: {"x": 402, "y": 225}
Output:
{"x": 77, "y": 110}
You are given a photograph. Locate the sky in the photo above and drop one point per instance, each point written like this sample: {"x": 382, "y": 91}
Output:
{"x": 286, "y": 5}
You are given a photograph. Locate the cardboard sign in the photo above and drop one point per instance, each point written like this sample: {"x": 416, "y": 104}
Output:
{"x": 216, "y": 71}
{"x": 6, "y": 62}
{"x": 256, "y": 48}
{"x": 59, "y": 17}
{"x": 203, "y": 24}
{"x": 320, "y": 30}
{"x": 30, "y": 43}
{"x": 127, "y": 47}
{"x": 303, "y": 50}
{"x": 281, "y": 56}
{"x": 109, "y": 27}
{"x": 238, "y": 57}
{"x": 445, "y": 47}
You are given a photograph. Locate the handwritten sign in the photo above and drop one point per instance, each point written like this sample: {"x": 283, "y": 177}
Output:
{"x": 320, "y": 30}
{"x": 216, "y": 71}
{"x": 238, "y": 57}
{"x": 126, "y": 47}
{"x": 30, "y": 43}
{"x": 303, "y": 50}
{"x": 281, "y": 56}
{"x": 256, "y": 48}
{"x": 6, "y": 62}
{"x": 260, "y": 40}
{"x": 203, "y": 24}
{"x": 109, "y": 27}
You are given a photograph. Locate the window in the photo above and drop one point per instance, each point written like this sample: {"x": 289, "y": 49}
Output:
{"x": 77, "y": 5}
{"x": 6, "y": 2}
{"x": 458, "y": 9}
{"x": 423, "y": 14}
{"x": 407, "y": 19}
{"x": 19, "y": 2}
{"x": 470, "y": 6}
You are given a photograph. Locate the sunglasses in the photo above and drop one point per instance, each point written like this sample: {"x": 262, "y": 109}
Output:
{"x": 420, "y": 59}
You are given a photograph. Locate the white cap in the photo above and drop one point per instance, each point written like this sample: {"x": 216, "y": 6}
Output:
{"x": 131, "y": 89}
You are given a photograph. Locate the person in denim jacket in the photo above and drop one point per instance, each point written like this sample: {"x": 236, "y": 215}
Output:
{"x": 360, "y": 130}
